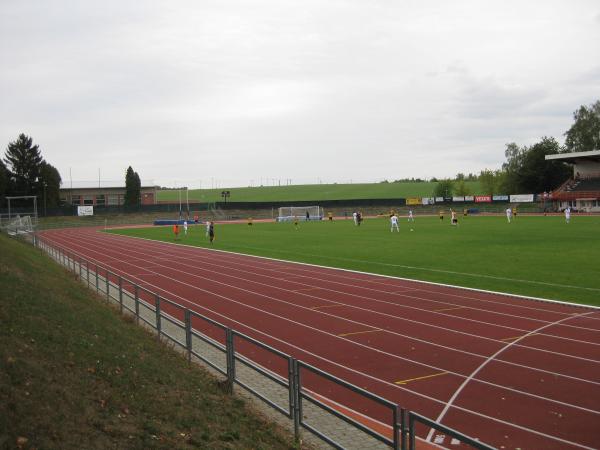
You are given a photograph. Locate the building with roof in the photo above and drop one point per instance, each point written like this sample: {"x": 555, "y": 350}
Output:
{"x": 104, "y": 196}
{"x": 582, "y": 191}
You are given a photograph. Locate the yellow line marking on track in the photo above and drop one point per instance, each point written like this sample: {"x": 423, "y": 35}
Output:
{"x": 359, "y": 332}
{"x": 324, "y": 306}
{"x": 448, "y": 309}
{"x": 305, "y": 289}
{"x": 420, "y": 378}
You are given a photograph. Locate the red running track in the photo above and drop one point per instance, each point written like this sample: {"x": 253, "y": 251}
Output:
{"x": 510, "y": 371}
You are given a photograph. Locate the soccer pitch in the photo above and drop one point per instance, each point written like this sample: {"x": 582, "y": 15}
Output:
{"x": 534, "y": 255}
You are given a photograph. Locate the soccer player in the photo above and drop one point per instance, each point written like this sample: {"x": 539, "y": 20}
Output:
{"x": 410, "y": 216}
{"x": 207, "y": 227}
{"x": 394, "y": 223}
{"x": 355, "y": 217}
{"x": 330, "y": 216}
{"x": 508, "y": 214}
{"x": 359, "y": 218}
{"x": 211, "y": 232}
{"x": 568, "y": 214}
{"x": 441, "y": 214}
{"x": 296, "y": 222}
{"x": 250, "y": 221}
{"x": 176, "y": 231}
{"x": 196, "y": 218}
{"x": 454, "y": 219}
{"x": 185, "y": 225}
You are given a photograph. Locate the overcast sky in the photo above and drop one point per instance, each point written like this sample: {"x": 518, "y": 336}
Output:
{"x": 233, "y": 93}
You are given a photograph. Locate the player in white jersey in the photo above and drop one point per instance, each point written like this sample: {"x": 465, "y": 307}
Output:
{"x": 410, "y": 216}
{"x": 394, "y": 223}
{"x": 185, "y": 227}
{"x": 508, "y": 214}
{"x": 568, "y": 214}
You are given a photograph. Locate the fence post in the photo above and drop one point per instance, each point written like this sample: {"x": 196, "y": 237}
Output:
{"x": 80, "y": 267}
{"x": 403, "y": 428}
{"x": 297, "y": 400}
{"x": 121, "y": 294}
{"x": 230, "y": 359}
{"x": 97, "y": 280}
{"x": 137, "y": 303}
{"x": 157, "y": 310}
{"x": 87, "y": 270}
{"x": 188, "y": 333}
{"x": 411, "y": 432}
{"x": 107, "y": 288}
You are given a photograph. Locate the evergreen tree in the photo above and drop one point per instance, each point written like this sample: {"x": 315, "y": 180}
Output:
{"x": 133, "y": 191}
{"x": 49, "y": 185}
{"x": 4, "y": 182}
{"x": 23, "y": 160}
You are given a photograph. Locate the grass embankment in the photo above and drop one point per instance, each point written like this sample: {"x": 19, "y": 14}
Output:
{"x": 317, "y": 192}
{"x": 75, "y": 374}
{"x": 535, "y": 255}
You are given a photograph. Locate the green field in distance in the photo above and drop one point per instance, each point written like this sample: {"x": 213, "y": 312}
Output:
{"x": 311, "y": 192}
{"x": 534, "y": 255}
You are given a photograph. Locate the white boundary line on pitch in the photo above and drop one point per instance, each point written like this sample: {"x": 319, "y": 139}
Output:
{"x": 518, "y": 296}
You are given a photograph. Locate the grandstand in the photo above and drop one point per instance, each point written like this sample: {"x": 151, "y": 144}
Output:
{"x": 582, "y": 191}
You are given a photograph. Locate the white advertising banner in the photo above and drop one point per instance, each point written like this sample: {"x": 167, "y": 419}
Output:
{"x": 521, "y": 198}
{"x": 427, "y": 200}
{"x": 439, "y": 199}
{"x": 458, "y": 199}
{"x": 500, "y": 198}
{"x": 469, "y": 198}
{"x": 85, "y": 210}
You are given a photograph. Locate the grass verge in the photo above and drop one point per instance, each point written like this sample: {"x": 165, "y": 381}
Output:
{"x": 76, "y": 374}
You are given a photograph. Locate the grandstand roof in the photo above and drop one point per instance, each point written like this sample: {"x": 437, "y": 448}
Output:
{"x": 572, "y": 158}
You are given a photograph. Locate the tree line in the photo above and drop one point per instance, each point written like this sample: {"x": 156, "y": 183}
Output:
{"x": 526, "y": 169}
{"x": 24, "y": 172}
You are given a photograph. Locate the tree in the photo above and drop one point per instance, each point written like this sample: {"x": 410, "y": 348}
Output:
{"x": 444, "y": 188}
{"x": 584, "y": 134}
{"x": 23, "y": 160}
{"x": 527, "y": 171}
{"x": 461, "y": 189}
{"x": 132, "y": 188}
{"x": 4, "y": 180}
{"x": 49, "y": 185}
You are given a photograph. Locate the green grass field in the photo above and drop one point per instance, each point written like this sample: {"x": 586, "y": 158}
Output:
{"x": 535, "y": 255}
{"x": 312, "y": 192}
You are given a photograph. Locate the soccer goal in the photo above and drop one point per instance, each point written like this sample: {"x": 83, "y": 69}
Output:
{"x": 288, "y": 213}
{"x": 18, "y": 225}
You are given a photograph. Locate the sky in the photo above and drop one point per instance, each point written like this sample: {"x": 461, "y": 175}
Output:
{"x": 225, "y": 93}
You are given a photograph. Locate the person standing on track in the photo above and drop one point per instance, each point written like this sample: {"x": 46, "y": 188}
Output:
{"x": 394, "y": 223}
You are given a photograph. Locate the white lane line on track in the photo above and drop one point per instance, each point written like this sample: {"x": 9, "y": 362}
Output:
{"x": 400, "y": 305}
{"x": 357, "y": 343}
{"x": 471, "y": 377}
{"x": 227, "y": 270}
{"x": 376, "y": 379}
{"x": 374, "y": 276}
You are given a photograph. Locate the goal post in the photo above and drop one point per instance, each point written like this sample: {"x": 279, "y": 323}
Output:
{"x": 289, "y": 213}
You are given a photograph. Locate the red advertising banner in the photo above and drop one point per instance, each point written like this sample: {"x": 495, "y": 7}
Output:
{"x": 483, "y": 199}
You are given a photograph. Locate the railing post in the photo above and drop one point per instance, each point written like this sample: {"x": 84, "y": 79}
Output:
{"x": 188, "y": 333}
{"x": 80, "y": 267}
{"x": 107, "y": 288}
{"x": 411, "y": 432}
{"x": 403, "y": 429}
{"x": 121, "y": 294}
{"x": 87, "y": 272}
{"x": 136, "y": 294}
{"x": 297, "y": 400}
{"x": 97, "y": 280}
{"x": 157, "y": 310}
{"x": 229, "y": 346}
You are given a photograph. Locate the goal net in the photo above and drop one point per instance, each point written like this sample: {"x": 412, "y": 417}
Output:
{"x": 288, "y": 213}
{"x": 19, "y": 225}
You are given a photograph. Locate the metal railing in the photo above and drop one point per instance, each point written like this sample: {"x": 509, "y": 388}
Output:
{"x": 233, "y": 354}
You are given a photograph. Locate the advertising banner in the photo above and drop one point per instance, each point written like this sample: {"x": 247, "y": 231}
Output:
{"x": 500, "y": 198}
{"x": 85, "y": 210}
{"x": 483, "y": 199}
{"x": 439, "y": 199}
{"x": 413, "y": 201}
{"x": 427, "y": 201}
{"x": 458, "y": 199}
{"x": 469, "y": 198}
{"x": 521, "y": 198}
